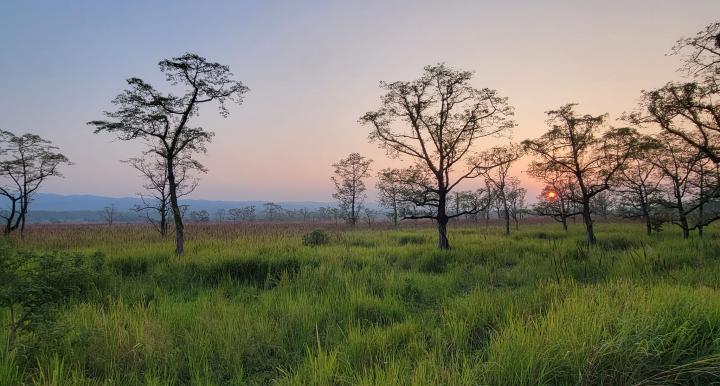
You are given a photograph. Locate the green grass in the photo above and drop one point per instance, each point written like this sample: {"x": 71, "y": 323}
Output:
{"x": 383, "y": 307}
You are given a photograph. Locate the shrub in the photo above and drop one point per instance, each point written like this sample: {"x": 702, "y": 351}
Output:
{"x": 316, "y": 238}
{"x": 32, "y": 284}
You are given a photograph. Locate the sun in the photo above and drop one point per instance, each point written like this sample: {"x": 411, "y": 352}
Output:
{"x": 551, "y": 195}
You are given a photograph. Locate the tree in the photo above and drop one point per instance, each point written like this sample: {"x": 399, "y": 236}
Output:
{"x": 349, "y": 186}
{"x": 156, "y": 204}
{"x": 638, "y": 186}
{"x": 496, "y": 163}
{"x": 689, "y": 110}
{"x": 220, "y": 215}
{"x": 109, "y": 213}
{"x": 27, "y": 161}
{"x": 575, "y": 146}
{"x": 200, "y": 216}
{"x": 163, "y": 120}
{"x": 516, "y": 199}
{"x": 436, "y": 121}
{"x": 246, "y": 213}
{"x": 272, "y": 211}
{"x": 690, "y": 184}
{"x": 390, "y": 194}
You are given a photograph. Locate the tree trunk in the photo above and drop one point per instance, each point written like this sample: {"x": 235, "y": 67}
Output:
{"x": 587, "y": 219}
{"x": 177, "y": 216}
{"x": 442, "y": 220}
{"x": 564, "y": 223}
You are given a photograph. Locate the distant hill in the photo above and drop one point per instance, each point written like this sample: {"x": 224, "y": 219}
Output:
{"x": 50, "y": 207}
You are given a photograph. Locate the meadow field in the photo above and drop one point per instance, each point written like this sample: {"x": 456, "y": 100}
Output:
{"x": 250, "y": 304}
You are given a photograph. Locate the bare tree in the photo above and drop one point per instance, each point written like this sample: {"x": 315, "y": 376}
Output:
{"x": 436, "y": 121}
{"x": 109, "y": 214}
{"x": 163, "y": 120}
{"x": 156, "y": 204}
{"x": 496, "y": 163}
{"x": 349, "y": 185}
{"x": 27, "y": 161}
{"x": 576, "y": 146}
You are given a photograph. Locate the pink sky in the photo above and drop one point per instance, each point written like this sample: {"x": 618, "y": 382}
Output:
{"x": 313, "y": 70}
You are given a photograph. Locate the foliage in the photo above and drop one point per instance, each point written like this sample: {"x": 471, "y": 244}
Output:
{"x": 32, "y": 285}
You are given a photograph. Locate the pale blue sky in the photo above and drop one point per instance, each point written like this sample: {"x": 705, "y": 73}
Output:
{"x": 313, "y": 68}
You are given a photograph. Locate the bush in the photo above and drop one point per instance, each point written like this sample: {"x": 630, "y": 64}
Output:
{"x": 32, "y": 285}
{"x": 316, "y": 238}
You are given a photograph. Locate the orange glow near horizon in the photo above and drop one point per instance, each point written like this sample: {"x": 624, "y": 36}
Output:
{"x": 551, "y": 195}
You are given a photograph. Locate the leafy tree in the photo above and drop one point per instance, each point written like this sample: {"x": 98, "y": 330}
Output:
{"x": 163, "y": 120}
{"x": 577, "y": 146}
{"x": 349, "y": 186}
{"x": 26, "y": 161}
{"x": 436, "y": 121}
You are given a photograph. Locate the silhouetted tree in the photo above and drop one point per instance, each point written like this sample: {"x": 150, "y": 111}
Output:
{"x": 156, "y": 204}
{"x": 26, "y": 161}
{"x": 109, "y": 214}
{"x": 684, "y": 169}
{"x": 163, "y": 120}
{"x": 390, "y": 195}
{"x": 496, "y": 163}
{"x": 272, "y": 211}
{"x": 637, "y": 186}
{"x": 199, "y": 216}
{"x": 689, "y": 110}
{"x": 436, "y": 121}
{"x": 349, "y": 186}
{"x": 576, "y": 146}
{"x": 516, "y": 199}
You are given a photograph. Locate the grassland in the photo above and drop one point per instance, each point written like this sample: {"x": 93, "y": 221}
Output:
{"x": 253, "y": 305}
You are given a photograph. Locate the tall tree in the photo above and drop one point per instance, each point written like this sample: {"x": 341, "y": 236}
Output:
{"x": 349, "y": 185}
{"x": 577, "y": 146}
{"x": 163, "y": 120}
{"x": 436, "y": 121}
{"x": 26, "y": 162}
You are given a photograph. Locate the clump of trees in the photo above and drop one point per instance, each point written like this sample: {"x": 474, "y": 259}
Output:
{"x": 163, "y": 121}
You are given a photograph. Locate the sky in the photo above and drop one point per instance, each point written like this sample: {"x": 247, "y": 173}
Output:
{"x": 313, "y": 69}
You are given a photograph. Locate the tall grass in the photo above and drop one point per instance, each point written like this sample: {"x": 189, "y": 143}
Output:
{"x": 383, "y": 307}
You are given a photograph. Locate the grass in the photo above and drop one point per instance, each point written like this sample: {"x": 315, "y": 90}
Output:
{"x": 253, "y": 305}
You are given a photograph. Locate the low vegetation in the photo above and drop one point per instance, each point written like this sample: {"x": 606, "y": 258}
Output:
{"x": 254, "y": 305}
